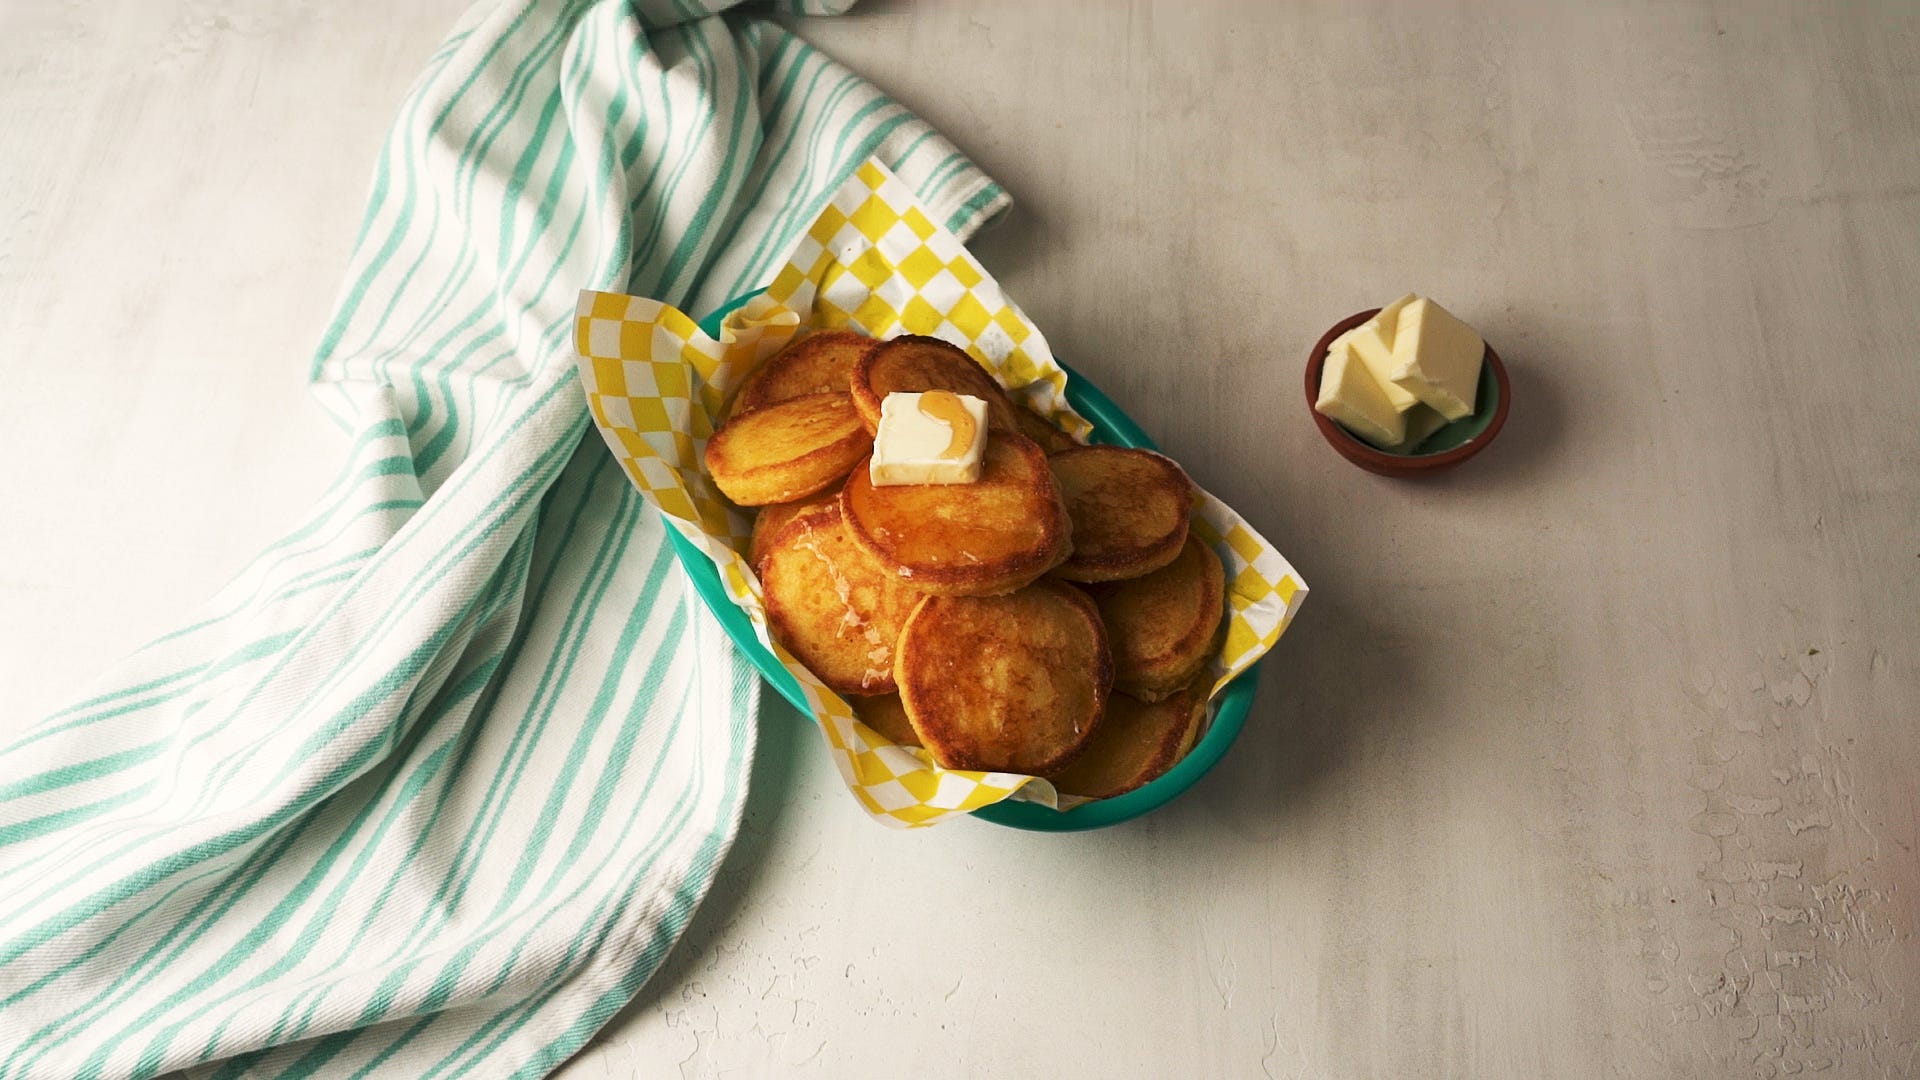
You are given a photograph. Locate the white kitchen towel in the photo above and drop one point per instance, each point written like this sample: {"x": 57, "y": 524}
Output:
{"x": 431, "y": 788}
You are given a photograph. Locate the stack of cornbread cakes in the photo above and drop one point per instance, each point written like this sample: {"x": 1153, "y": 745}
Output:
{"x": 1050, "y": 617}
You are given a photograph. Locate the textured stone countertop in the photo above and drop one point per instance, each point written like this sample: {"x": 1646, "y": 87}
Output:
{"x": 1594, "y": 759}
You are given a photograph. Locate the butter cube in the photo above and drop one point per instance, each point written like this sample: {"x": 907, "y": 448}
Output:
{"x": 1422, "y": 421}
{"x": 1372, "y": 342}
{"x": 937, "y": 437}
{"x": 1436, "y": 358}
{"x": 1351, "y": 397}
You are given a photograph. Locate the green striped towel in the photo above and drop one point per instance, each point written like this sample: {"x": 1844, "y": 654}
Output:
{"x": 433, "y": 786}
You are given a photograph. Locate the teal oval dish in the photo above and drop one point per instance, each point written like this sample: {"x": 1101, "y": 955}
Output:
{"x": 1112, "y": 427}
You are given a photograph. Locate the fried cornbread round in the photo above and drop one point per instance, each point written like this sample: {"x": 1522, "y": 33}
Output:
{"x": 1041, "y": 430}
{"x": 1162, "y": 627}
{"x": 1137, "y": 741}
{"x": 831, "y": 606}
{"x": 1129, "y": 509}
{"x": 769, "y": 519}
{"x": 787, "y": 450}
{"x": 1009, "y": 683}
{"x": 887, "y": 716}
{"x": 991, "y": 536}
{"x": 819, "y": 363}
{"x": 913, "y": 364}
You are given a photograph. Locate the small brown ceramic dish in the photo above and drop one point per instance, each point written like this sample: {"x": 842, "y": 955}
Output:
{"x": 1438, "y": 452}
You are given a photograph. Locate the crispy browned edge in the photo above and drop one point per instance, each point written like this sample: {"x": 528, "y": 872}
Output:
{"x": 982, "y": 579}
{"x": 762, "y": 539}
{"x": 743, "y": 401}
{"x": 931, "y": 730}
{"x": 1201, "y": 688}
{"x": 1152, "y": 690}
{"x": 811, "y": 517}
{"x": 1166, "y": 755}
{"x": 1146, "y": 558}
{"x": 999, "y": 408}
{"x": 736, "y": 404}
{"x": 838, "y": 448}
{"x": 865, "y": 708}
{"x": 1170, "y": 755}
{"x": 1041, "y": 430}
{"x": 1159, "y": 689}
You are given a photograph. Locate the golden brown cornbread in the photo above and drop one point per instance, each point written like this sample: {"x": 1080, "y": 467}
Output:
{"x": 787, "y": 450}
{"x": 819, "y": 363}
{"x": 1041, "y": 430}
{"x": 990, "y": 536}
{"x": 887, "y": 716}
{"x": 1136, "y": 743}
{"x": 1129, "y": 509}
{"x": 830, "y": 605}
{"x": 1163, "y": 626}
{"x": 768, "y": 520}
{"x": 1011, "y": 683}
{"x": 914, "y": 364}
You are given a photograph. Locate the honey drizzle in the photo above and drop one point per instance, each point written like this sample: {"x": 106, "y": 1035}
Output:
{"x": 946, "y": 407}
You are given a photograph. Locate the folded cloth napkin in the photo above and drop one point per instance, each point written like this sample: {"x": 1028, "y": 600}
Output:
{"x": 433, "y": 786}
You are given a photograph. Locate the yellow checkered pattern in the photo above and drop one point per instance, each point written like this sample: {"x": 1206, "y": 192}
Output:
{"x": 875, "y": 262}
{"x": 1263, "y": 590}
{"x": 872, "y": 261}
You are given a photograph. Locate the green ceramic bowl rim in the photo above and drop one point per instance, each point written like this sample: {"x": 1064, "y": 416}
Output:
{"x": 1110, "y": 426}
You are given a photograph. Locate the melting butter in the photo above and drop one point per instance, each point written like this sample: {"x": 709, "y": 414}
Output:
{"x": 936, "y": 437}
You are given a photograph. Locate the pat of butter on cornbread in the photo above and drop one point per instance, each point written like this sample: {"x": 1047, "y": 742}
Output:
{"x": 933, "y": 438}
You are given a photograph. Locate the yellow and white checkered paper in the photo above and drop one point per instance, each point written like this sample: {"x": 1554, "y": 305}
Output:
{"x": 875, "y": 262}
